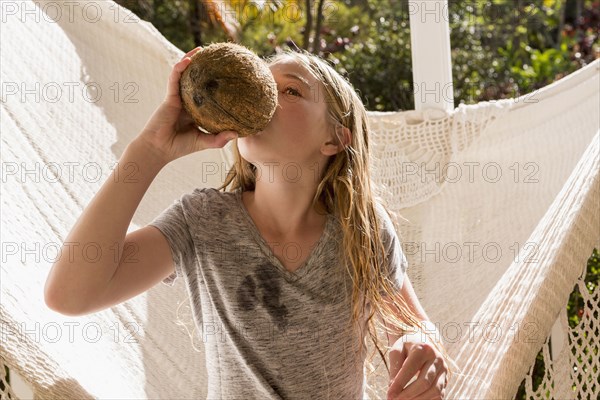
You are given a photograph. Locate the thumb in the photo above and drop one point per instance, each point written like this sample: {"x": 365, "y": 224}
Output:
{"x": 397, "y": 356}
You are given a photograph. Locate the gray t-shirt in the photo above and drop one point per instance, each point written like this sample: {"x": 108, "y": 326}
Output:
{"x": 268, "y": 333}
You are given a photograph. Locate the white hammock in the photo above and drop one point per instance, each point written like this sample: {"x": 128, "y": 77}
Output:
{"x": 58, "y": 150}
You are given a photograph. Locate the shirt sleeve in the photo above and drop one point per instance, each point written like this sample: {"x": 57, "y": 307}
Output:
{"x": 395, "y": 263}
{"x": 173, "y": 225}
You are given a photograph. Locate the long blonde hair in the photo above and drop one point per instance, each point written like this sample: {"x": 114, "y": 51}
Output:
{"x": 347, "y": 191}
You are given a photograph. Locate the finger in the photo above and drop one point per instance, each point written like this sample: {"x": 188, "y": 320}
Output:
{"x": 191, "y": 52}
{"x": 437, "y": 391}
{"x": 397, "y": 357}
{"x": 414, "y": 362}
{"x": 425, "y": 380}
{"x": 173, "y": 85}
{"x": 175, "y": 76}
{"x": 206, "y": 141}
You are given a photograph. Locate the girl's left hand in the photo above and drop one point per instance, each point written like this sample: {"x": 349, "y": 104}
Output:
{"x": 414, "y": 353}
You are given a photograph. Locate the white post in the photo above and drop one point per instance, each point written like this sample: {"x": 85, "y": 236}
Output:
{"x": 431, "y": 63}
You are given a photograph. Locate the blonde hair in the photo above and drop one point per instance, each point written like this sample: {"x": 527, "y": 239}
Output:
{"x": 348, "y": 192}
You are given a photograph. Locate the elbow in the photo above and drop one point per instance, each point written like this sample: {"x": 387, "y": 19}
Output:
{"x": 59, "y": 305}
{"x": 63, "y": 309}
{"x": 54, "y": 304}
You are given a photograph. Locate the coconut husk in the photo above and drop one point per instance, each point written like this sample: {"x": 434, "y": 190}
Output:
{"x": 228, "y": 87}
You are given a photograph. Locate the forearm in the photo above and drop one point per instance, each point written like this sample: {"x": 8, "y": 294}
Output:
{"x": 412, "y": 302}
{"x": 93, "y": 249}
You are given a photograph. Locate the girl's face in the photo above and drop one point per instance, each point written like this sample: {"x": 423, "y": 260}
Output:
{"x": 298, "y": 131}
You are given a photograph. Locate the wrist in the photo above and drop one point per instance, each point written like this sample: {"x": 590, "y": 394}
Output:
{"x": 140, "y": 162}
{"x": 141, "y": 149}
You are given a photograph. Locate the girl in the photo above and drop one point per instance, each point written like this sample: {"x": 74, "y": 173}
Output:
{"x": 287, "y": 269}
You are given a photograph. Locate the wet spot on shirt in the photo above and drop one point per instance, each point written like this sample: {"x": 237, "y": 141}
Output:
{"x": 269, "y": 281}
{"x": 264, "y": 288}
{"x": 246, "y": 294}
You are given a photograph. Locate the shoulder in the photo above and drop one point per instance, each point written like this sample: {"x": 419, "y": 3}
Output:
{"x": 384, "y": 219}
{"x": 391, "y": 240}
{"x": 207, "y": 201}
{"x": 207, "y": 193}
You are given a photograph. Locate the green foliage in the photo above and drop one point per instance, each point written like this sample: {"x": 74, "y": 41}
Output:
{"x": 263, "y": 29}
{"x": 504, "y": 49}
{"x": 377, "y": 59}
{"x": 367, "y": 42}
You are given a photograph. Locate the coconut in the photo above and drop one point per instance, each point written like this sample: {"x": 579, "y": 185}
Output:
{"x": 227, "y": 87}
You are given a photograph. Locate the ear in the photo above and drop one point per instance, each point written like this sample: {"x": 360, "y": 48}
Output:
{"x": 340, "y": 139}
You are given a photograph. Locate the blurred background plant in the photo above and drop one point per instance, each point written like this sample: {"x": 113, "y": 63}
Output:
{"x": 500, "y": 49}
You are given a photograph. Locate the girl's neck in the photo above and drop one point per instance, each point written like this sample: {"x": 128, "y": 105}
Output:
{"x": 285, "y": 212}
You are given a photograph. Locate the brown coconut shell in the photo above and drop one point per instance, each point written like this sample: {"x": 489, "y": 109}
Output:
{"x": 226, "y": 87}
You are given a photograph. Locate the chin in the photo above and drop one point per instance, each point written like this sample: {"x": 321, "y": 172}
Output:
{"x": 258, "y": 151}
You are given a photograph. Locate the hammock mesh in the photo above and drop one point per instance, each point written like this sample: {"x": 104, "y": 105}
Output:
{"x": 499, "y": 206}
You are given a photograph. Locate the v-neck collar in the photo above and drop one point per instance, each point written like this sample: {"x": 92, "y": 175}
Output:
{"x": 306, "y": 266}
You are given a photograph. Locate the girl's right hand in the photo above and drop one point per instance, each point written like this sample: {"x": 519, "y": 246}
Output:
{"x": 170, "y": 131}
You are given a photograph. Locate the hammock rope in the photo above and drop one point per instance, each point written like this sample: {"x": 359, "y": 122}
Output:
{"x": 493, "y": 257}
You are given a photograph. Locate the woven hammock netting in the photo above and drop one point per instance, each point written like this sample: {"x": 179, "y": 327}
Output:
{"x": 499, "y": 204}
